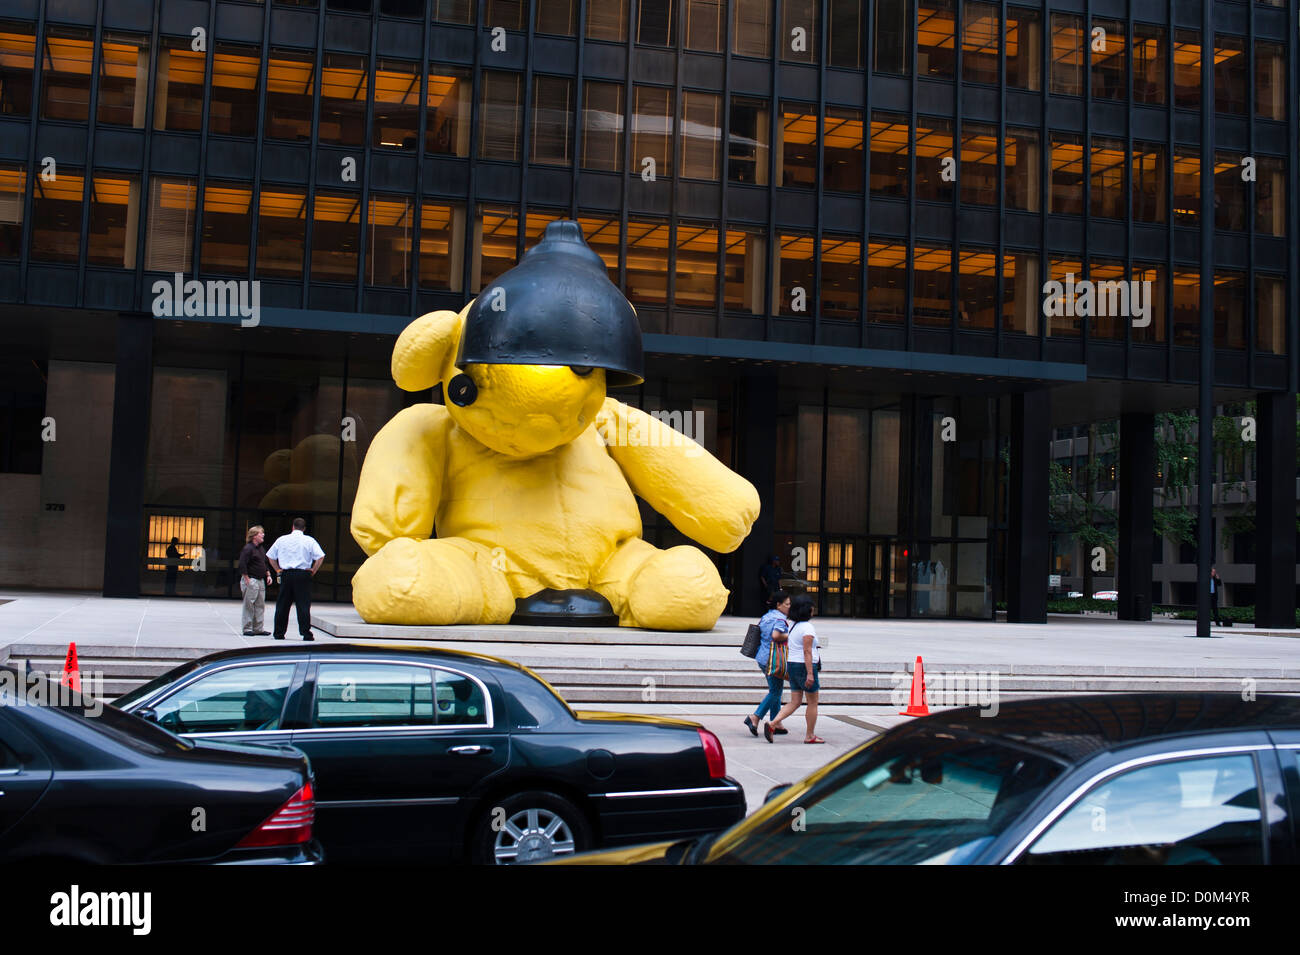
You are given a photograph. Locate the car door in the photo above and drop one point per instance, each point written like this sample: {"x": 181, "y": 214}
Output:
{"x": 239, "y": 702}
{"x": 396, "y": 747}
{"x": 25, "y": 771}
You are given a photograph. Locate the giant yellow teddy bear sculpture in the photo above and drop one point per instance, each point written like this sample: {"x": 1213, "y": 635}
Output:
{"x": 530, "y": 483}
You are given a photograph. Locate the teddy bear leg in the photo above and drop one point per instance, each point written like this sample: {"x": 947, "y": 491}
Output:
{"x": 674, "y": 589}
{"x": 432, "y": 582}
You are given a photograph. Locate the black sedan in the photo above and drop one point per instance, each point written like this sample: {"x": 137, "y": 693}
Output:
{"x": 81, "y": 782}
{"x": 424, "y": 754}
{"x": 1152, "y": 779}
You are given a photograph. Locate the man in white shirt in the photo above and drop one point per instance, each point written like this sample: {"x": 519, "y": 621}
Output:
{"x": 296, "y": 558}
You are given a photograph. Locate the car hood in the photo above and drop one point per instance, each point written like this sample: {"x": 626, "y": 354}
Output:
{"x": 656, "y": 853}
{"x": 600, "y": 716}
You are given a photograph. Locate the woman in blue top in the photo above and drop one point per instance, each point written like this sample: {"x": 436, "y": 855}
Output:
{"x": 773, "y": 620}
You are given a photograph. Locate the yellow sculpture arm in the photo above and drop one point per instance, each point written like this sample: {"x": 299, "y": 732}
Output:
{"x": 401, "y": 481}
{"x": 701, "y": 496}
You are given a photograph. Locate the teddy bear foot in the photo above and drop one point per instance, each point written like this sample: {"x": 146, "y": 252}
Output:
{"x": 431, "y": 583}
{"x": 675, "y": 589}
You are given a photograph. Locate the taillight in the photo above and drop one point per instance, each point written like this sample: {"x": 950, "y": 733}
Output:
{"x": 290, "y": 826}
{"x": 713, "y": 753}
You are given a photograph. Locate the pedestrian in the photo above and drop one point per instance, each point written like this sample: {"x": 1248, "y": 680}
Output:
{"x": 174, "y": 556}
{"x": 254, "y": 578}
{"x": 1216, "y": 585}
{"x": 773, "y": 623}
{"x": 769, "y": 579}
{"x": 296, "y": 558}
{"x": 803, "y": 668}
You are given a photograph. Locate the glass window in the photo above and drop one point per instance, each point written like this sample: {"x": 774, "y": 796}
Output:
{"x": 657, "y": 22}
{"x": 243, "y": 699}
{"x": 1230, "y": 315}
{"x": 396, "y": 122}
{"x": 1022, "y": 300}
{"x": 892, "y": 26}
{"x": 336, "y": 220}
{"x": 1067, "y": 174}
{"x": 114, "y": 214}
{"x": 376, "y": 694}
{"x": 1067, "y": 54}
{"x": 801, "y": 41}
{"x": 1150, "y": 52}
{"x": 798, "y": 154}
{"x": 936, "y": 48}
{"x": 1066, "y": 324}
{"x": 697, "y": 266}
{"x": 552, "y": 134}
{"x": 388, "y": 244}
{"x": 1202, "y": 811}
{"x": 1020, "y": 155}
{"x": 652, "y": 129}
{"x": 446, "y": 131}
{"x": 232, "y": 103}
{"x": 1230, "y": 200}
{"x": 1187, "y": 307}
{"x": 1187, "y": 69}
{"x": 747, "y": 150}
{"x": 65, "y": 74}
{"x": 1270, "y": 80}
{"x": 511, "y": 14}
{"x": 705, "y": 20}
{"x": 744, "y": 266}
{"x": 498, "y": 136}
{"x": 932, "y": 285}
{"x": 290, "y": 75}
{"x": 1270, "y": 314}
{"x": 495, "y": 245}
{"x": 1231, "y": 75}
{"x": 13, "y": 190}
{"x": 1149, "y": 171}
{"x": 442, "y": 246}
{"x": 842, "y": 152}
{"x": 607, "y": 21}
{"x": 17, "y": 67}
{"x": 979, "y": 165}
{"x": 841, "y": 291}
{"x": 1112, "y": 307}
{"x": 281, "y": 233}
{"x": 413, "y": 9}
{"x": 886, "y": 282}
{"x": 751, "y": 33}
{"x": 123, "y": 79}
{"x": 227, "y": 228}
{"x": 602, "y": 126}
{"x": 556, "y": 17}
{"x": 602, "y": 235}
{"x": 343, "y": 91}
{"x": 1107, "y": 43}
{"x": 1024, "y": 36}
{"x": 977, "y": 288}
{"x": 701, "y": 135}
{"x": 178, "y": 97}
{"x": 796, "y": 286}
{"x": 889, "y": 156}
{"x": 844, "y": 33}
{"x": 647, "y": 262}
{"x": 536, "y": 221}
{"x": 460, "y": 700}
{"x": 1156, "y": 295}
{"x": 1187, "y": 188}
{"x": 1109, "y": 162}
{"x": 934, "y": 155}
{"x": 169, "y": 241}
{"x": 981, "y": 42}
{"x": 1270, "y": 195}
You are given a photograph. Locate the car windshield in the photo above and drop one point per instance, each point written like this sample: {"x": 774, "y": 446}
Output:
{"x": 915, "y": 799}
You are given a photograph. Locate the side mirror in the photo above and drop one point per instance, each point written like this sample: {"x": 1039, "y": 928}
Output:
{"x": 147, "y": 713}
{"x": 776, "y": 791}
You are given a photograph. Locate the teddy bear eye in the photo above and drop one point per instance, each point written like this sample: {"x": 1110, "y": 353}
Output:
{"x": 582, "y": 371}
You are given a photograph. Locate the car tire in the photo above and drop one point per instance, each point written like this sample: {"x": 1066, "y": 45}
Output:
{"x": 530, "y": 826}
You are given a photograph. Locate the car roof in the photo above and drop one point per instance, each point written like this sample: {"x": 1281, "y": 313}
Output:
{"x": 430, "y": 654}
{"x": 1075, "y": 728}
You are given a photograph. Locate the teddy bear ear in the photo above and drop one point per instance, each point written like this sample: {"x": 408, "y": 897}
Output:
{"x": 425, "y": 353}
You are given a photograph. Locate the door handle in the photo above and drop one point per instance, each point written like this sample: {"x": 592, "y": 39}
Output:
{"x": 470, "y": 750}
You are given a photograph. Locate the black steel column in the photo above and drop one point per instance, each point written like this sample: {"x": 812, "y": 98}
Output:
{"x": 1027, "y": 558}
{"x": 1205, "y": 405}
{"x": 131, "y": 387}
{"x": 1275, "y": 497}
{"x": 1137, "y": 468}
{"x": 757, "y": 465}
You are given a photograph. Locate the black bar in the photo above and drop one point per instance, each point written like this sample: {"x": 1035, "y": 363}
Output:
{"x": 1137, "y": 468}
{"x": 1275, "y": 497}
{"x": 126, "y": 476}
{"x": 1027, "y": 558}
{"x": 758, "y": 465}
{"x": 1205, "y": 389}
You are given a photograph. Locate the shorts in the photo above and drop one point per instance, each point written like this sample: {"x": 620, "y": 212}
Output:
{"x": 798, "y": 673}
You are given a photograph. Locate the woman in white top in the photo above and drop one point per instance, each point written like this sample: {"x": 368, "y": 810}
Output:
{"x": 803, "y": 668}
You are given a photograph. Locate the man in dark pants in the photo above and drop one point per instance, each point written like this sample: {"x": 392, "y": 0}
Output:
{"x": 296, "y": 558}
{"x": 1216, "y": 584}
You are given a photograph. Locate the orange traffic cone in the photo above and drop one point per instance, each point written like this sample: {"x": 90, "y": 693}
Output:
{"x": 71, "y": 671}
{"x": 916, "y": 704}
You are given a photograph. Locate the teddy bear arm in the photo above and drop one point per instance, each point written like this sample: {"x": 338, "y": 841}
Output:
{"x": 401, "y": 481}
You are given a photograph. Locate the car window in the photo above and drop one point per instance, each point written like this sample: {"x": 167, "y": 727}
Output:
{"x": 235, "y": 700}
{"x": 1183, "y": 812}
{"x": 460, "y": 700}
{"x": 918, "y": 799}
{"x": 8, "y": 758}
{"x": 373, "y": 694}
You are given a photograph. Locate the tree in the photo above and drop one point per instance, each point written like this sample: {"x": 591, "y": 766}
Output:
{"x": 1084, "y": 515}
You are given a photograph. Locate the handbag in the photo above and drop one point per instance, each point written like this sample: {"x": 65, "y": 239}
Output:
{"x": 776, "y": 660}
{"x": 753, "y": 637}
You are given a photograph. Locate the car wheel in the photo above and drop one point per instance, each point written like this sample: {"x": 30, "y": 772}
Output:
{"x": 530, "y": 827}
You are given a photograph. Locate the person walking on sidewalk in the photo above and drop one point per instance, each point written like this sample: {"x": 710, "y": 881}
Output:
{"x": 296, "y": 558}
{"x": 773, "y": 622}
{"x": 804, "y": 669}
{"x": 1216, "y": 585}
{"x": 254, "y": 578}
